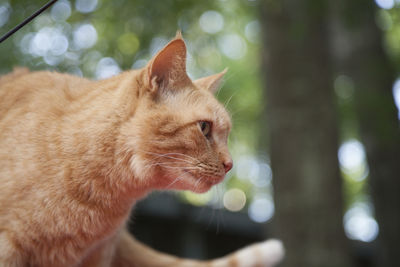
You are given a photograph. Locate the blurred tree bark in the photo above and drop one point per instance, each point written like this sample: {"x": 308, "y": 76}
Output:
{"x": 303, "y": 133}
{"x": 362, "y": 57}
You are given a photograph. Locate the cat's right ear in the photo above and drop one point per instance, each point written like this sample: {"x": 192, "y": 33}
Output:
{"x": 167, "y": 69}
{"x": 211, "y": 83}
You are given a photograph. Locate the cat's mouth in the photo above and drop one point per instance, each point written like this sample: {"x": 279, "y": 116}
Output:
{"x": 202, "y": 183}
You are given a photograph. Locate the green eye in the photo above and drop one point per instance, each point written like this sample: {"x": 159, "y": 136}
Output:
{"x": 205, "y": 128}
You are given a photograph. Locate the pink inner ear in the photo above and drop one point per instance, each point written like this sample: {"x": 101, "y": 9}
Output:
{"x": 169, "y": 65}
{"x": 211, "y": 83}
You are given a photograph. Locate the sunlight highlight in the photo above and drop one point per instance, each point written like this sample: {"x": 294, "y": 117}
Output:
{"x": 261, "y": 209}
{"x": 5, "y": 11}
{"x": 85, "y": 36}
{"x": 385, "y": 4}
{"x": 352, "y": 159}
{"x": 211, "y": 21}
{"x": 252, "y": 31}
{"x": 396, "y": 95}
{"x": 106, "y": 68}
{"x": 234, "y": 199}
{"x": 233, "y": 46}
{"x": 49, "y": 43}
{"x": 86, "y": 6}
{"x": 61, "y": 10}
{"x": 156, "y": 44}
{"x": 198, "y": 199}
{"x": 359, "y": 223}
{"x": 259, "y": 173}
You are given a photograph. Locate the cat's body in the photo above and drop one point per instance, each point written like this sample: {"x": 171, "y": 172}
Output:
{"x": 76, "y": 154}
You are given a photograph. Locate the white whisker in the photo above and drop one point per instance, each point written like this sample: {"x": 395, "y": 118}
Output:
{"x": 168, "y": 165}
{"x": 170, "y": 156}
{"x": 178, "y": 167}
{"x": 197, "y": 183}
{"x": 173, "y": 182}
{"x": 229, "y": 100}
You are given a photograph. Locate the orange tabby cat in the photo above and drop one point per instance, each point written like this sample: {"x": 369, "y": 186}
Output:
{"x": 76, "y": 154}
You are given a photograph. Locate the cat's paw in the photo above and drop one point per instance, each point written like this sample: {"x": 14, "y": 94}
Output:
{"x": 267, "y": 253}
{"x": 272, "y": 251}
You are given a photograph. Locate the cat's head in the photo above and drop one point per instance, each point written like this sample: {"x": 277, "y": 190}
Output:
{"x": 179, "y": 132}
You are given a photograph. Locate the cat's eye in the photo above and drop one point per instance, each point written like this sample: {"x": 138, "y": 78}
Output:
{"x": 205, "y": 128}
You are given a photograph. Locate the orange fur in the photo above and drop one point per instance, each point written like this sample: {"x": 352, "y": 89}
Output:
{"x": 76, "y": 154}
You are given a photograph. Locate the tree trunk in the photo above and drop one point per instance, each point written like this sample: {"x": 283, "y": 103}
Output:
{"x": 365, "y": 62}
{"x": 303, "y": 133}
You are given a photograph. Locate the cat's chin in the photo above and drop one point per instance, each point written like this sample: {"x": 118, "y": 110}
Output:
{"x": 196, "y": 184}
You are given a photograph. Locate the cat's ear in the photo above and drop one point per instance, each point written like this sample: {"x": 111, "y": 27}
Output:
{"x": 167, "y": 68}
{"x": 211, "y": 83}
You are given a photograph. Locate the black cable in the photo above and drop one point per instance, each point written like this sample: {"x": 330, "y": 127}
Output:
{"x": 27, "y": 20}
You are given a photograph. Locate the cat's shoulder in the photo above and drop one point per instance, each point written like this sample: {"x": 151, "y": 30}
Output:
{"x": 15, "y": 74}
{"x": 22, "y": 88}
{"x": 39, "y": 77}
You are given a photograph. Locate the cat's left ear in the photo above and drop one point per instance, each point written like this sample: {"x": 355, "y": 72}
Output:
{"x": 211, "y": 83}
{"x": 167, "y": 69}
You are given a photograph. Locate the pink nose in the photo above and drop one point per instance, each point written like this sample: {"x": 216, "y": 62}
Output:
{"x": 228, "y": 165}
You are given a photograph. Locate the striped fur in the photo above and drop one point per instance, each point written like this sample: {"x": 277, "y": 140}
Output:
{"x": 76, "y": 154}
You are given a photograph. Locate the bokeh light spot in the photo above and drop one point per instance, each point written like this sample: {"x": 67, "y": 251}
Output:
{"x": 352, "y": 159}
{"x": 61, "y": 10}
{"x": 251, "y": 168}
{"x": 84, "y": 36}
{"x": 5, "y": 11}
{"x": 197, "y": 199}
{"x": 49, "y": 42}
{"x": 25, "y": 43}
{"x": 211, "y": 21}
{"x": 85, "y": 6}
{"x": 128, "y": 43}
{"x": 246, "y": 167}
{"x": 359, "y": 224}
{"x": 344, "y": 86}
{"x": 264, "y": 176}
{"x": 383, "y": 20}
{"x": 232, "y": 45}
{"x": 252, "y": 31}
{"x": 40, "y": 43}
{"x": 396, "y": 95}
{"x": 138, "y": 64}
{"x": 156, "y": 44}
{"x": 234, "y": 199}
{"x": 385, "y": 4}
{"x": 261, "y": 209}
{"x": 42, "y": 21}
{"x": 106, "y": 68}
{"x": 52, "y": 60}
{"x": 59, "y": 45}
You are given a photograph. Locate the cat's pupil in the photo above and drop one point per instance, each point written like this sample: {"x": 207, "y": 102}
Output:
{"x": 205, "y": 127}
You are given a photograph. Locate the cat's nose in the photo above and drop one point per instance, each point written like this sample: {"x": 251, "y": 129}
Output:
{"x": 228, "y": 165}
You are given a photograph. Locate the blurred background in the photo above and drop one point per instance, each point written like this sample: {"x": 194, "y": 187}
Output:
{"x": 313, "y": 92}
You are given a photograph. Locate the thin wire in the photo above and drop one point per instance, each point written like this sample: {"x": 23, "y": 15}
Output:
{"x": 27, "y": 20}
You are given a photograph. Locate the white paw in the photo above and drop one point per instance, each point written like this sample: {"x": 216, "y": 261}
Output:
{"x": 267, "y": 253}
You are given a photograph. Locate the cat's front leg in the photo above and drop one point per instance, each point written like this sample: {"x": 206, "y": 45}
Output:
{"x": 102, "y": 255}
{"x": 9, "y": 254}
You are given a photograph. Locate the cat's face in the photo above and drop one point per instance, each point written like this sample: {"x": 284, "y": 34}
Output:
{"x": 180, "y": 130}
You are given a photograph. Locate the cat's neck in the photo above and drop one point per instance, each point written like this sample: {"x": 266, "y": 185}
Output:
{"x": 101, "y": 172}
